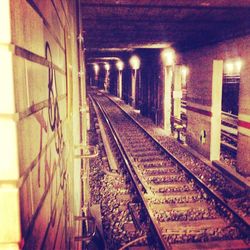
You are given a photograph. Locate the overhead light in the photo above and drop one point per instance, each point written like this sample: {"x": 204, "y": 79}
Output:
{"x": 135, "y": 62}
{"x": 229, "y": 67}
{"x": 184, "y": 71}
{"x": 168, "y": 56}
{"x": 233, "y": 66}
{"x": 120, "y": 65}
{"x": 96, "y": 68}
{"x": 238, "y": 65}
{"x": 107, "y": 66}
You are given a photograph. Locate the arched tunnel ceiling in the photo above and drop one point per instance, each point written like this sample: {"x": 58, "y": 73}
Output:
{"x": 111, "y": 25}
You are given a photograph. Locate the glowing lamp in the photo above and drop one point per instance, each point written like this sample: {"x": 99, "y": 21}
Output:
{"x": 107, "y": 66}
{"x": 135, "y": 62}
{"x": 184, "y": 71}
{"x": 229, "y": 67}
{"x": 168, "y": 57}
{"x": 238, "y": 65}
{"x": 120, "y": 65}
{"x": 96, "y": 68}
{"x": 232, "y": 67}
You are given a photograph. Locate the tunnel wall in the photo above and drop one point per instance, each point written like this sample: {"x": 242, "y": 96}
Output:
{"x": 43, "y": 38}
{"x": 151, "y": 85}
{"x": 199, "y": 93}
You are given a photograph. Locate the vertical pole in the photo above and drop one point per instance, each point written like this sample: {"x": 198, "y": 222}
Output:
{"x": 168, "y": 75}
{"x": 107, "y": 81}
{"x": 120, "y": 84}
{"x": 83, "y": 123}
{"x": 177, "y": 92}
{"x": 133, "y": 87}
{"x": 243, "y": 145}
{"x": 10, "y": 220}
{"x": 216, "y": 110}
{"x": 138, "y": 90}
{"x": 83, "y": 115}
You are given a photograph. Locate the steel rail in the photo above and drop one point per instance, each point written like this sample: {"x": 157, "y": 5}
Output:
{"x": 155, "y": 230}
{"x": 199, "y": 181}
{"x": 229, "y": 147}
{"x": 229, "y": 115}
{"x": 229, "y": 135}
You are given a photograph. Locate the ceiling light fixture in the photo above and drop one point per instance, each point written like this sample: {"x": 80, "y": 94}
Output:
{"x": 120, "y": 65}
{"x": 135, "y": 62}
{"x": 168, "y": 57}
{"x": 96, "y": 68}
{"x": 107, "y": 66}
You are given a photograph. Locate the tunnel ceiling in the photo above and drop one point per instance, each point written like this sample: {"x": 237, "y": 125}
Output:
{"x": 111, "y": 25}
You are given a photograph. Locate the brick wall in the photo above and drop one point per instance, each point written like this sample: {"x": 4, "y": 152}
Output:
{"x": 199, "y": 91}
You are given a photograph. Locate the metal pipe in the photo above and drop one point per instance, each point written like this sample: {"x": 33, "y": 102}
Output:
{"x": 83, "y": 118}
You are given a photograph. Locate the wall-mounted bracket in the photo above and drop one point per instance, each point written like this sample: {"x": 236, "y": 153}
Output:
{"x": 88, "y": 151}
{"x": 90, "y": 228}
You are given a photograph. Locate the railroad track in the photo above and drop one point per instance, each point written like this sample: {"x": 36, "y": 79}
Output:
{"x": 186, "y": 211}
{"x": 126, "y": 221}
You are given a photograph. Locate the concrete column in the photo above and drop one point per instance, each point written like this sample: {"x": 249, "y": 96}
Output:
{"x": 204, "y": 108}
{"x": 216, "y": 110}
{"x": 167, "y": 105}
{"x": 243, "y": 148}
{"x": 10, "y": 229}
{"x": 133, "y": 87}
{"x": 177, "y": 93}
{"x": 119, "y": 85}
{"x": 106, "y": 81}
